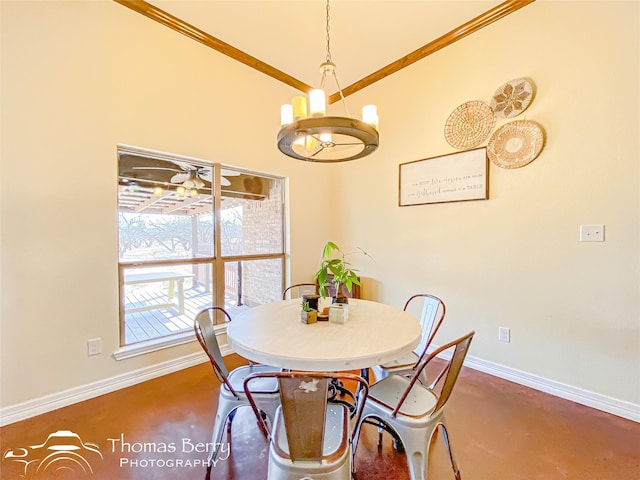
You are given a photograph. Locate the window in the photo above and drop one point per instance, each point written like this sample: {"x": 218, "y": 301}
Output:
{"x": 191, "y": 235}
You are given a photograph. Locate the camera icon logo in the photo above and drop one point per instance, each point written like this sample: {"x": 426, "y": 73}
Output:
{"x": 62, "y": 453}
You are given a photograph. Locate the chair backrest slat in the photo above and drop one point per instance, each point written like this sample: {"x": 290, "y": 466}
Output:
{"x": 206, "y": 335}
{"x": 455, "y": 365}
{"x": 303, "y": 399}
{"x": 304, "y": 406}
{"x": 300, "y": 289}
{"x": 431, "y": 317}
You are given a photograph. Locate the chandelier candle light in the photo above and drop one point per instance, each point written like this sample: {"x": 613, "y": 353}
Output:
{"x": 314, "y": 137}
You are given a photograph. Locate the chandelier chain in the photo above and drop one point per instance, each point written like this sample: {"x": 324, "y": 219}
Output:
{"x": 322, "y": 138}
{"x": 328, "y": 36}
{"x": 333, "y": 71}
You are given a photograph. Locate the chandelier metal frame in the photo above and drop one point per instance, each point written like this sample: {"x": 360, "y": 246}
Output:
{"x": 346, "y": 133}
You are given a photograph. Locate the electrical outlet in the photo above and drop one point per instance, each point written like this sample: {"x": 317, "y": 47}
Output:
{"x": 504, "y": 334}
{"x": 94, "y": 346}
{"x": 592, "y": 233}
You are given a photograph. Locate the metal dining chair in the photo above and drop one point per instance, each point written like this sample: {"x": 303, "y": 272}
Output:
{"x": 232, "y": 394}
{"x": 431, "y": 317}
{"x": 310, "y": 438}
{"x": 300, "y": 289}
{"x": 414, "y": 412}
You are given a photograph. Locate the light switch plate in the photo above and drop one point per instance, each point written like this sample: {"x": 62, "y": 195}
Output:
{"x": 592, "y": 233}
{"x": 504, "y": 334}
{"x": 94, "y": 346}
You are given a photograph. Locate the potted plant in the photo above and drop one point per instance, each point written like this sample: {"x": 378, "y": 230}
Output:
{"x": 343, "y": 273}
{"x": 308, "y": 314}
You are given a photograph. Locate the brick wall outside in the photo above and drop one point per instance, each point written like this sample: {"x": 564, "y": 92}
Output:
{"x": 262, "y": 233}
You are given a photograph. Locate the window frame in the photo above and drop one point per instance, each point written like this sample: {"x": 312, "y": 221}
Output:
{"x": 217, "y": 261}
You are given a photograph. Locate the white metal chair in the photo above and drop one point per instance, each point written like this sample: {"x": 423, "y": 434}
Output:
{"x": 232, "y": 394}
{"x": 414, "y": 412}
{"x": 431, "y": 317}
{"x": 311, "y": 437}
{"x": 300, "y": 289}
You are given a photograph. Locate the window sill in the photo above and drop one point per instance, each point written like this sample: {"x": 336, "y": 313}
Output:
{"x": 156, "y": 344}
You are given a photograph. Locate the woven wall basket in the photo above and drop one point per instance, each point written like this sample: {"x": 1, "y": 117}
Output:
{"x": 512, "y": 98}
{"x": 515, "y": 144}
{"x": 469, "y": 124}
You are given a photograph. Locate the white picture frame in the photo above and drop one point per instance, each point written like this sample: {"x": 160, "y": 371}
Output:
{"x": 455, "y": 177}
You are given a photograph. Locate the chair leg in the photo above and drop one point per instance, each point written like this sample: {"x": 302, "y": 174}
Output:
{"x": 354, "y": 447}
{"x": 229, "y": 421}
{"x": 397, "y": 443}
{"x": 454, "y": 465}
{"x": 415, "y": 443}
{"x": 417, "y": 465}
{"x": 221, "y": 426}
{"x": 216, "y": 439}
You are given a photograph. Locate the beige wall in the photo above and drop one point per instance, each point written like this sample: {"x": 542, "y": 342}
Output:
{"x": 100, "y": 75}
{"x": 515, "y": 260}
{"x": 77, "y": 79}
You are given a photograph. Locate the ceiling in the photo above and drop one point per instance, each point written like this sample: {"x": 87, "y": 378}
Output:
{"x": 290, "y": 36}
{"x": 286, "y": 39}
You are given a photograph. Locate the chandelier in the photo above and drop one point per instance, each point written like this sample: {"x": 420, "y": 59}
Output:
{"x": 312, "y": 136}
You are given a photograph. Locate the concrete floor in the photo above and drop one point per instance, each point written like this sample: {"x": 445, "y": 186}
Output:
{"x": 159, "y": 430}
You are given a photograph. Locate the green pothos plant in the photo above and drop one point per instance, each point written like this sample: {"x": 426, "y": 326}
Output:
{"x": 337, "y": 265}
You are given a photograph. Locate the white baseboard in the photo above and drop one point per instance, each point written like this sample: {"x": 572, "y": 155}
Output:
{"x": 37, "y": 406}
{"x": 31, "y": 408}
{"x": 595, "y": 400}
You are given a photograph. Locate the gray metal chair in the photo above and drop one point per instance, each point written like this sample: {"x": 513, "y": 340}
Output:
{"x": 413, "y": 412}
{"x": 232, "y": 394}
{"x": 299, "y": 289}
{"x": 311, "y": 437}
{"x": 431, "y": 317}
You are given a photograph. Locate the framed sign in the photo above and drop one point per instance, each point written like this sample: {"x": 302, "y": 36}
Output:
{"x": 455, "y": 177}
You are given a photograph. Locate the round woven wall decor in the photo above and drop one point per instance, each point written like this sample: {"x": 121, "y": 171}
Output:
{"x": 512, "y": 98}
{"x": 469, "y": 124}
{"x": 515, "y": 144}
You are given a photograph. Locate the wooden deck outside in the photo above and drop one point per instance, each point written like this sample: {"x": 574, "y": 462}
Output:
{"x": 155, "y": 323}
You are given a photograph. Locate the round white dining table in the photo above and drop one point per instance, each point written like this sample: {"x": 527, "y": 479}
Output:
{"x": 273, "y": 334}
